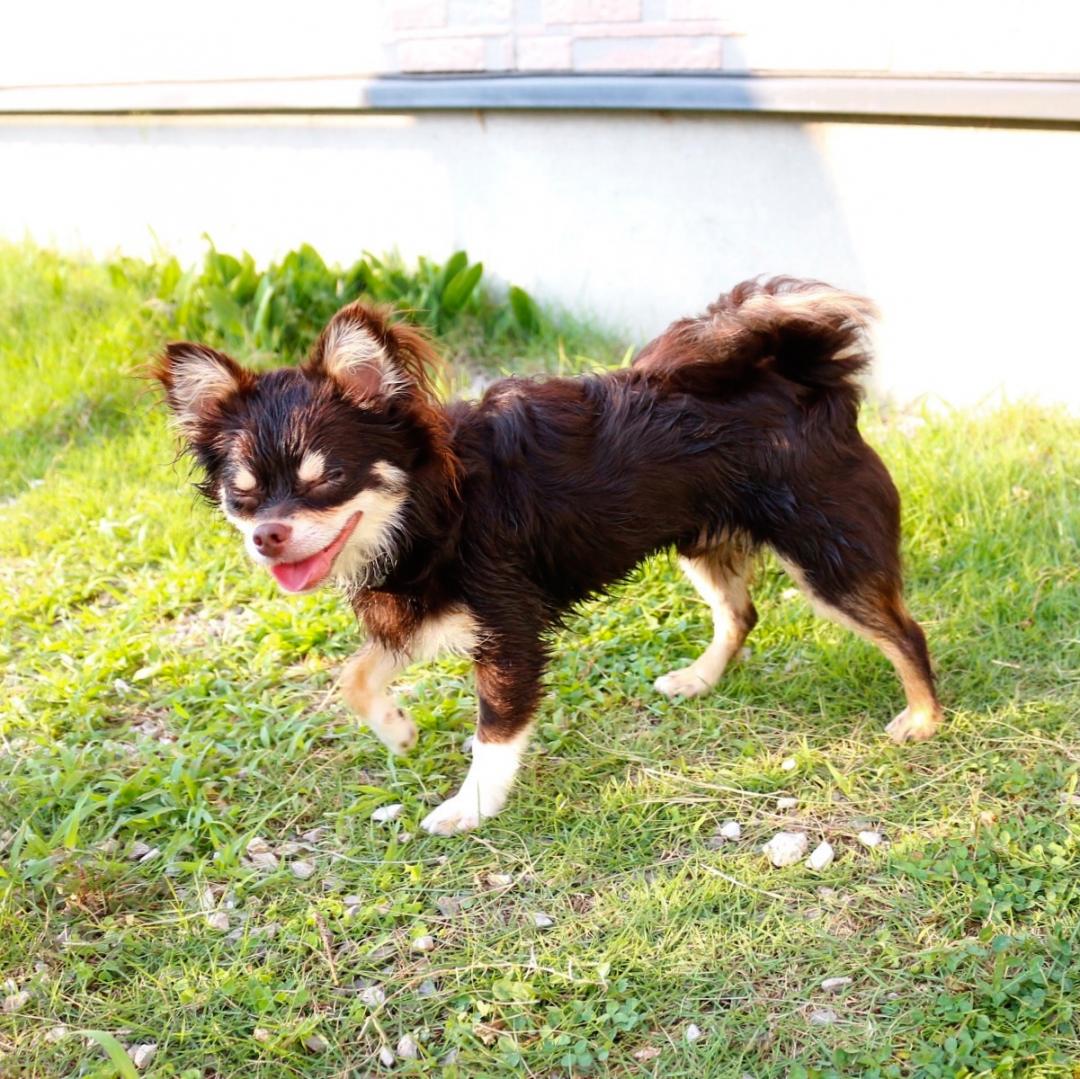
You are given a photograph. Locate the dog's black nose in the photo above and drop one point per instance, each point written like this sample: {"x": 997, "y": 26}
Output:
{"x": 270, "y": 537}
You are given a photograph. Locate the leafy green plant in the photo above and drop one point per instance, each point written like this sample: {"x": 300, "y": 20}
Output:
{"x": 279, "y": 310}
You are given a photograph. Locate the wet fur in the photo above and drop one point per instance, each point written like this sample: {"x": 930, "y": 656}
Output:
{"x": 728, "y": 433}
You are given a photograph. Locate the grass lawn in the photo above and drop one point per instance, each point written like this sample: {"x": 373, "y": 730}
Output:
{"x": 163, "y": 706}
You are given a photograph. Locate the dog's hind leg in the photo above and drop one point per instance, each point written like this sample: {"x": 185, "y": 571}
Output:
{"x": 720, "y": 576}
{"x": 846, "y": 558}
{"x": 364, "y": 683}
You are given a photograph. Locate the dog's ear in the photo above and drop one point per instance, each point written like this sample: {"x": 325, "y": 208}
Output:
{"x": 372, "y": 358}
{"x": 197, "y": 379}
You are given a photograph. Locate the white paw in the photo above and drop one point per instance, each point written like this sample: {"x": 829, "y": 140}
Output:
{"x": 455, "y": 815}
{"x": 684, "y": 683}
{"x": 914, "y": 725}
{"x": 395, "y": 729}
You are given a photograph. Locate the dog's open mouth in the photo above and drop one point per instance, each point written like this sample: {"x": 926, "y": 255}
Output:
{"x": 308, "y": 572}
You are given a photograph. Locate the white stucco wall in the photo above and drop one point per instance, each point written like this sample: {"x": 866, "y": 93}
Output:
{"x": 966, "y": 236}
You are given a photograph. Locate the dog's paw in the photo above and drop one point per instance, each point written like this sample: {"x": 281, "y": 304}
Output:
{"x": 914, "y": 725}
{"x": 455, "y": 815}
{"x": 395, "y": 729}
{"x": 684, "y": 683}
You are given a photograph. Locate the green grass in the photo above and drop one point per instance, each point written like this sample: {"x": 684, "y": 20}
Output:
{"x": 158, "y": 690}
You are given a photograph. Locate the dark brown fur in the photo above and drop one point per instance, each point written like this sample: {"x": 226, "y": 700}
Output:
{"x": 729, "y": 432}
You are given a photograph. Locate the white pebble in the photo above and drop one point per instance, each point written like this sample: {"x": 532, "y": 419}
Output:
{"x": 385, "y": 814}
{"x": 16, "y": 1002}
{"x": 138, "y": 851}
{"x": 500, "y": 880}
{"x": 406, "y": 1048}
{"x": 316, "y": 1044}
{"x": 786, "y": 803}
{"x": 730, "y": 829}
{"x": 56, "y": 1034}
{"x": 373, "y": 996}
{"x": 821, "y": 857}
{"x": 786, "y": 848}
{"x": 693, "y": 1033}
{"x": 871, "y": 839}
{"x": 386, "y": 1057}
{"x": 789, "y": 764}
{"x": 141, "y": 1055}
{"x": 301, "y": 869}
{"x": 219, "y": 920}
{"x": 424, "y": 944}
{"x": 822, "y": 1017}
{"x": 261, "y": 1034}
{"x": 543, "y": 921}
{"x": 831, "y": 985}
{"x": 261, "y": 855}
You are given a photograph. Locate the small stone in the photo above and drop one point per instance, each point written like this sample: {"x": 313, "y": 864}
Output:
{"x": 789, "y": 764}
{"x": 386, "y": 1058}
{"x": 448, "y": 905}
{"x": 313, "y": 835}
{"x": 314, "y": 1043}
{"x": 821, "y": 857}
{"x": 138, "y": 851}
{"x": 694, "y": 1033}
{"x": 218, "y": 920}
{"x": 260, "y": 854}
{"x": 822, "y": 1017}
{"x": 141, "y": 1055}
{"x": 406, "y": 1048}
{"x": 730, "y": 829}
{"x": 427, "y": 988}
{"x": 784, "y": 804}
{"x": 423, "y": 944}
{"x": 301, "y": 869}
{"x": 353, "y": 900}
{"x": 373, "y": 996}
{"x": 833, "y": 985}
{"x": 542, "y": 921}
{"x": 646, "y": 1053}
{"x": 385, "y": 814}
{"x": 871, "y": 839}
{"x": 56, "y": 1034}
{"x": 500, "y": 880}
{"x": 261, "y": 1034}
{"x": 786, "y": 848}
{"x": 404, "y": 837}
{"x": 16, "y": 1001}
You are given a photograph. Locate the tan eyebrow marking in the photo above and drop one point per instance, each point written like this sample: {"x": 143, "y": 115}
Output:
{"x": 312, "y": 466}
{"x": 244, "y": 479}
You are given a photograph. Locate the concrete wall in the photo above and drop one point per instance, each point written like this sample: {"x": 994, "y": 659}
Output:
{"x": 967, "y": 236}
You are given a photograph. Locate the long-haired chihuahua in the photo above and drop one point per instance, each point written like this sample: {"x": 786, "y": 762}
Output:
{"x": 476, "y": 526}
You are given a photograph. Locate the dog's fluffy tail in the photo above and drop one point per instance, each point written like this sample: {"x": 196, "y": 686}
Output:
{"x": 802, "y": 331}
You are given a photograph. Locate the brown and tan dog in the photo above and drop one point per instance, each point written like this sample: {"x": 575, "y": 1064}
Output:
{"x": 475, "y": 527}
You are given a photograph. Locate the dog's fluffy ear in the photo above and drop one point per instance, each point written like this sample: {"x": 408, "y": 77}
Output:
{"x": 197, "y": 379}
{"x": 372, "y": 358}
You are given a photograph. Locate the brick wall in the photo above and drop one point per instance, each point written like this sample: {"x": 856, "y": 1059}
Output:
{"x": 962, "y": 37}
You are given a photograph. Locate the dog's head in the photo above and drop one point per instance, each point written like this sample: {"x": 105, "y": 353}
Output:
{"x": 313, "y": 464}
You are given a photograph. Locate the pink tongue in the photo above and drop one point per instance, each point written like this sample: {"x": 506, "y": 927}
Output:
{"x": 299, "y": 576}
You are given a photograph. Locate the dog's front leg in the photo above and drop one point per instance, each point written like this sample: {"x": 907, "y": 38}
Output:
{"x": 364, "y": 682}
{"x": 507, "y": 692}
